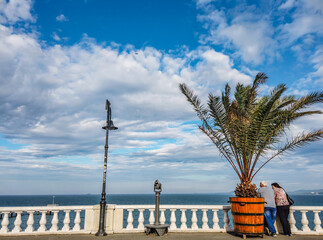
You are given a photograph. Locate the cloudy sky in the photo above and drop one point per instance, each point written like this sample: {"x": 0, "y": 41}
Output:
{"x": 61, "y": 59}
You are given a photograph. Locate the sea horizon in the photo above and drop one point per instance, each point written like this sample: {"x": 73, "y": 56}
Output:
{"x": 138, "y": 199}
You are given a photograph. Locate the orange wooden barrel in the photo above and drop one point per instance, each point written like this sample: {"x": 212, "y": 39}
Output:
{"x": 248, "y": 215}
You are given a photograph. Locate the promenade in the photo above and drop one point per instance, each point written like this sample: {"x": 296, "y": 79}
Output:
{"x": 169, "y": 236}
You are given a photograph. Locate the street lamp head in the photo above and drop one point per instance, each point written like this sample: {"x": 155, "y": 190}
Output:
{"x": 110, "y": 126}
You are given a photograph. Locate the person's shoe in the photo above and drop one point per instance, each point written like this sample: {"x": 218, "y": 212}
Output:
{"x": 267, "y": 231}
{"x": 290, "y": 235}
{"x": 274, "y": 235}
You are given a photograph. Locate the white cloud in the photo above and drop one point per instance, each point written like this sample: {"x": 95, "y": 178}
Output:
{"x": 61, "y": 18}
{"x": 313, "y": 79}
{"x": 317, "y": 59}
{"x": 56, "y": 37}
{"x": 250, "y": 36}
{"x": 52, "y": 102}
{"x": 15, "y": 10}
{"x": 288, "y": 4}
{"x": 306, "y": 20}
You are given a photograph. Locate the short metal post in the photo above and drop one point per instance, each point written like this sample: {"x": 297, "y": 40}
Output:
{"x": 157, "y": 209}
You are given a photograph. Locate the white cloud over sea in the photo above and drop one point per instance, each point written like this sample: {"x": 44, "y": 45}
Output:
{"x": 52, "y": 100}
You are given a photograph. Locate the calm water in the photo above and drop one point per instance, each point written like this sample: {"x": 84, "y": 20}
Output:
{"x": 184, "y": 199}
{"x": 124, "y": 199}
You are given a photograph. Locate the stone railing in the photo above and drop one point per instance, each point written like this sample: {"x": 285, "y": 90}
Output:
{"x": 132, "y": 218}
{"x": 182, "y": 218}
{"x": 44, "y": 220}
{"x": 313, "y": 213}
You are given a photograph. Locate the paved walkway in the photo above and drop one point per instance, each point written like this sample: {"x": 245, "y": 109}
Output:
{"x": 169, "y": 236}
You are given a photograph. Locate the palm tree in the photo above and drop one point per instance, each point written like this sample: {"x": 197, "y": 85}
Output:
{"x": 249, "y": 129}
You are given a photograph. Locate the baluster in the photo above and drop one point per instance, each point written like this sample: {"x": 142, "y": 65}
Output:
{"x": 17, "y": 222}
{"x": 194, "y": 219}
{"x": 66, "y": 227}
{"x": 5, "y": 222}
{"x": 227, "y": 221}
{"x": 42, "y": 222}
{"x": 304, "y": 221}
{"x": 292, "y": 221}
{"x": 130, "y": 220}
{"x": 317, "y": 221}
{"x": 162, "y": 216}
{"x": 216, "y": 220}
{"x": 77, "y": 221}
{"x": 205, "y": 220}
{"x": 54, "y": 227}
{"x": 151, "y": 217}
{"x": 183, "y": 220}
{"x": 141, "y": 219}
{"x": 172, "y": 219}
{"x": 30, "y": 222}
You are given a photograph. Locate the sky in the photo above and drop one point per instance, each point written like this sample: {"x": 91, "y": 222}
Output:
{"x": 61, "y": 59}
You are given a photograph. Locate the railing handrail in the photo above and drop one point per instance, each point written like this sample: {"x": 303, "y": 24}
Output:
{"x": 45, "y": 208}
{"x": 310, "y": 208}
{"x": 151, "y": 206}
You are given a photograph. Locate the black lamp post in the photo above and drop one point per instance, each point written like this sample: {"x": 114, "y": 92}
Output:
{"x": 103, "y": 203}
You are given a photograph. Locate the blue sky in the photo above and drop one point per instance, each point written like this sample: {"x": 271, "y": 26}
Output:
{"x": 60, "y": 60}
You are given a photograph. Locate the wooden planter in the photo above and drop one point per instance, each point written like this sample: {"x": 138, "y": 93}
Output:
{"x": 248, "y": 216}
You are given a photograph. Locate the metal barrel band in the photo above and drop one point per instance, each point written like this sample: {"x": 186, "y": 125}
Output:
{"x": 249, "y": 233}
{"x": 247, "y": 214}
{"x": 248, "y": 224}
{"x": 247, "y": 202}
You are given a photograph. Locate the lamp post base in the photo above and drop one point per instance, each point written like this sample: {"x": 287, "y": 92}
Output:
{"x": 101, "y": 234}
{"x": 160, "y": 229}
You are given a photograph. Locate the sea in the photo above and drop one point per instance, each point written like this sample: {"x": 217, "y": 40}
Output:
{"x": 133, "y": 199}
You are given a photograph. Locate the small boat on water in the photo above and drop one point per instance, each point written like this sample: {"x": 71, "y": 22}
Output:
{"x": 51, "y": 205}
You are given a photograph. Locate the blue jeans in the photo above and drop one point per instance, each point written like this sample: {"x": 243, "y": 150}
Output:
{"x": 270, "y": 218}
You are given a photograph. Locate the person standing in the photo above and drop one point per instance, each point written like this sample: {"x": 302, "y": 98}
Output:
{"x": 270, "y": 207}
{"x": 282, "y": 207}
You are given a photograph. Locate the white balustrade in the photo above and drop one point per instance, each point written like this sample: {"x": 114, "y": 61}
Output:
{"x": 28, "y": 219}
{"x": 317, "y": 221}
{"x": 177, "y": 215}
{"x": 54, "y": 227}
{"x": 5, "y": 222}
{"x": 304, "y": 221}
{"x": 194, "y": 219}
{"x": 183, "y": 221}
{"x": 17, "y": 223}
{"x": 162, "y": 217}
{"x": 172, "y": 219}
{"x": 292, "y": 221}
{"x": 305, "y": 229}
{"x": 30, "y": 222}
{"x": 151, "y": 217}
{"x": 227, "y": 220}
{"x": 129, "y": 220}
{"x": 205, "y": 226}
{"x": 77, "y": 220}
{"x": 42, "y": 222}
{"x": 215, "y": 220}
{"x": 141, "y": 219}
{"x": 66, "y": 221}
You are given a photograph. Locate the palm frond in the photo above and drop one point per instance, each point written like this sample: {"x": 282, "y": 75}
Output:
{"x": 296, "y": 142}
{"x": 248, "y": 127}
